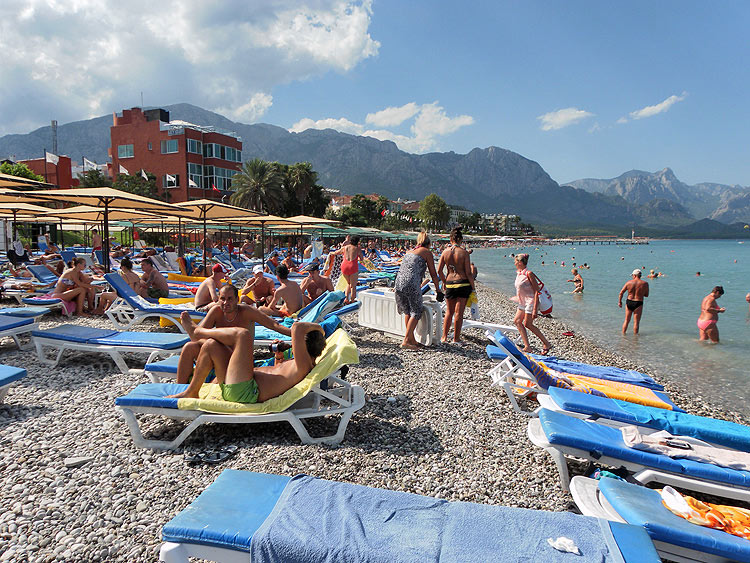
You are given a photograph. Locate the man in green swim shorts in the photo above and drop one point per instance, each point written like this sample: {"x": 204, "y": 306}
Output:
{"x": 240, "y": 381}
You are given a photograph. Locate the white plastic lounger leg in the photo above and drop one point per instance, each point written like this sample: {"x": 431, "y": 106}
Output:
{"x": 181, "y": 553}
{"x": 4, "y": 392}
{"x": 141, "y": 442}
{"x": 539, "y": 439}
{"x": 42, "y": 355}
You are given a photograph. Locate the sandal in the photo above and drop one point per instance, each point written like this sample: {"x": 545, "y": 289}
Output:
{"x": 194, "y": 458}
{"x": 545, "y": 351}
{"x": 221, "y": 455}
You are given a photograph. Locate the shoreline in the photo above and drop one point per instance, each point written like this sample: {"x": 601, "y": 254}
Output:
{"x": 431, "y": 425}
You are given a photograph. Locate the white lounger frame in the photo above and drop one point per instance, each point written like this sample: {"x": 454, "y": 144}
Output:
{"x": 114, "y": 352}
{"x": 346, "y": 399}
{"x": 505, "y": 373}
{"x": 641, "y": 473}
{"x": 591, "y": 502}
{"x": 123, "y": 316}
{"x": 14, "y": 333}
{"x": 5, "y": 388}
{"x": 171, "y": 552}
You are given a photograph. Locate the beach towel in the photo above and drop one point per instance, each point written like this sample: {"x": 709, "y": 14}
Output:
{"x": 730, "y": 519}
{"x": 340, "y": 350}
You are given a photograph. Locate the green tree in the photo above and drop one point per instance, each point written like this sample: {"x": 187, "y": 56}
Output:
{"x": 316, "y": 201}
{"x": 94, "y": 179}
{"x": 21, "y": 170}
{"x": 300, "y": 178}
{"x": 136, "y": 184}
{"x": 433, "y": 212}
{"x": 259, "y": 186}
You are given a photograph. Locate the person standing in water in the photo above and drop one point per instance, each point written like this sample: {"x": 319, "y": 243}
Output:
{"x": 577, "y": 281}
{"x": 637, "y": 290}
{"x": 707, "y": 327}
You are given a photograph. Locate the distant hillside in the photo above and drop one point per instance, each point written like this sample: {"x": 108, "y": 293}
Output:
{"x": 487, "y": 180}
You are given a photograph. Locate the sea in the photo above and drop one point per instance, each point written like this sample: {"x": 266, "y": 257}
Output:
{"x": 668, "y": 339}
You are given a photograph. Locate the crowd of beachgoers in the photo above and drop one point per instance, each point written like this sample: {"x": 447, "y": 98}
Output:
{"x": 73, "y": 486}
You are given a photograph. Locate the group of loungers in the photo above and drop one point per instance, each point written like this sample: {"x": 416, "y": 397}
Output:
{"x": 602, "y": 415}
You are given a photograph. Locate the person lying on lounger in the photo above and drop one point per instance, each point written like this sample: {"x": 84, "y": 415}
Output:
{"x": 228, "y": 313}
{"x": 229, "y": 353}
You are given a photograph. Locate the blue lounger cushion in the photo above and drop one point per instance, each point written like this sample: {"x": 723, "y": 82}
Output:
{"x": 9, "y": 374}
{"x": 599, "y": 440}
{"x": 577, "y": 368}
{"x": 74, "y": 333}
{"x": 720, "y": 432}
{"x": 642, "y": 506}
{"x": 24, "y": 311}
{"x": 161, "y": 340}
{"x": 272, "y": 517}
{"x": 152, "y": 395}
{"x": 8, "y": 322}
{"x": 164, "y": 366}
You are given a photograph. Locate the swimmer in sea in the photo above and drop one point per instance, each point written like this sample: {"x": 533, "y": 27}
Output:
{"x": 577, "y": 280}
{"x": 637, "y": 290}
{"x": 747, "y": 297}
{"x": 707, "y": 327}
{"x": 652, "y": 275}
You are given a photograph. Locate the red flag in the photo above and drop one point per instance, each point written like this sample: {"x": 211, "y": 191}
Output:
{"x": 213, "y": 186}
{"x": 382, "y": 213}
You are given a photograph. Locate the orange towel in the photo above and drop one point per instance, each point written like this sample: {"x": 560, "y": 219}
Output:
{"x": 730, "y": 519}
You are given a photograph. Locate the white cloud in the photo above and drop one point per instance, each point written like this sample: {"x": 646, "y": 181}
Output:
{"x": 563, "y": 118}
{"x": 73, "y": 59}
{"x": 392, "y": 116}
{"x": 430, "y": 122}
{"x": 650, "y": 111}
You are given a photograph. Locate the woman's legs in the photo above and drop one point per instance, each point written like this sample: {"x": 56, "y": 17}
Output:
{"x": 459, "y": 316}
{"x": 529, "y": 323}
{"x": 450, "y": 309}
{"x": 409, "y": 340}
{"x": 518, "y": 321}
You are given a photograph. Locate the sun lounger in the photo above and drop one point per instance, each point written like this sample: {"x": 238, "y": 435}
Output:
{"x": 33, "y": 312}
{"x": 562, "y": 435}
{"x": 67, "y": 308}
{"x": 322, "y": 393}
{"x": 8, "y": 376}
{"x": 105, "y": 341}
{"x": 14, "y": 327}
{"x": 521, "y": 376}
{"x": 245, "y": 516}
{"x": 675, "y": 538}
{"x": 130, "y": 308}
{"x": 620, "y": 413}
{"x": 379, "y": 312}
{"x": 42, "y": 274}
{"x": 612, "y": 373}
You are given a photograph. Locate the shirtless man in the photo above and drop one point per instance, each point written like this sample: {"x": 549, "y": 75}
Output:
{"x": 577, "y": 281}
{"x": 96, "y": 240}
{"x": 228, "y": 313}
{"x": 707, "y": 327}
{"x": 153, "y": 284}
{"x": 314, "y": 284}
{"x": 637, "y": 290}
{"x": 260, "y": 285}
{"x": 289, "y": 292}
{"x": 247, "y": 249}
{"x": 208, "y": 291}
{"x": 289, "y": 263}
{"x": 229, "y": 353}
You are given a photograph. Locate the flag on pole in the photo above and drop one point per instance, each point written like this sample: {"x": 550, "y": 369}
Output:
{"x": 123, "y": 170}
{"x": 89, "y": 163}
{"x": 51, "y": 158}
{"x": 171, "y": 180}
{"x": 143, "y": 175}
{"x": 214, "y": 188}
{"x": 383, "y": 213}
{"x": 191, "y": 183}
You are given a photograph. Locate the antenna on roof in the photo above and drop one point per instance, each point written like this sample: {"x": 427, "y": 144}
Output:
{"x": 54, "y": 136}
{"x": 141, "y": 100}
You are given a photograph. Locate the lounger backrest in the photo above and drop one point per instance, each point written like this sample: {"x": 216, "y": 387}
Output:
{"x": 67, "y": 255}
{"x": 99, "y": 255}
{"x": 122, "y": 288}
{"x": 330, "y": 301}
{"x": 42, "y": 274}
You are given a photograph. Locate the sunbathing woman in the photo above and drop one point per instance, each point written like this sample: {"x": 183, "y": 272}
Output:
{"x": 72, "y": 287}
{"x": 229, "y": 352}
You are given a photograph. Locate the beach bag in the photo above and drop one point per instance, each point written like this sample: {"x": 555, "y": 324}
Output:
{"x": 545, "y": 297}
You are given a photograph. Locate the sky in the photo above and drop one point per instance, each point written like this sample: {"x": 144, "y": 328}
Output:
{"x": 584, "y": 88}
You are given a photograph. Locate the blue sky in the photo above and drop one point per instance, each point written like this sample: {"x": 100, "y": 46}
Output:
{"x": 587, "y": 89}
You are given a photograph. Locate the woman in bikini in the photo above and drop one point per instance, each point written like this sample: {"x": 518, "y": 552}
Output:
{"x": 72, "y": 287}
{"x": 458, "y": 282}
{"x": 708, "y": 329}
{"x": 350, "y": 267}
{"x": 527, "y": 296}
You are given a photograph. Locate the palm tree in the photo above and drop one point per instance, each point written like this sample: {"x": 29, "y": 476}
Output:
{"x": 258, "y": 186}
{"x": 301, "y": 179}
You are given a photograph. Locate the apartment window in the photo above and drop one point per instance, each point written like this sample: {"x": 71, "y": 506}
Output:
{"x": 195, "y": 147}
{"x": 170, "y": 146}
{"x": 124, "y": 151}
{"x": 170, "y": 180}
{"x": 239, "y": 156}
{"x": 208, "y": 150}
{"x": 231, "y": 154}
{"x": 149, "y": 146}
{"x": 195, "y": 173}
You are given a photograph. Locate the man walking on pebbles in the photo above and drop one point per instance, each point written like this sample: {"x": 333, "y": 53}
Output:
{"x": 637, "y": 290}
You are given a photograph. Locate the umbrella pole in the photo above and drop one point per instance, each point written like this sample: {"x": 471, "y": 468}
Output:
{"x": 62, "y": 236}
{"x": 105, "y": 242}
{"x": 263, "y": 241}
{"x": 14, "y": 224}
{"x": 205, "y": 244}
{"x": 180, "y": 246}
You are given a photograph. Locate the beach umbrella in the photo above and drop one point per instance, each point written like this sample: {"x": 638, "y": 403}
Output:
{"x": 8, "y": 181}
{"x": 26, "y": 209}
{"x": 205, "y": 209}
{"x": 107, "y": 198}
{"x": 263, "y": 221}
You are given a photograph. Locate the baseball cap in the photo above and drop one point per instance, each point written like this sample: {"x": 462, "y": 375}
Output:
{"x": 636, "y": 272}
{"x": 217, "y": 268}
{"x": 257, "y": 268}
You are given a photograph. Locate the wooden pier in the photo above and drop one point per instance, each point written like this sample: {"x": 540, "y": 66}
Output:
{"x": 602, "y": 240}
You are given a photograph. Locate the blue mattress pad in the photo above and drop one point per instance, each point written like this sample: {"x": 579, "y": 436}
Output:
{"x": 152, "y": 395}
{"x": 161, "y": 340}
{"x": 8, "y": 322}
{"x": 9, "y": 374}
{"x": 715, "y": 431}
{"x": 599, "y": 440}
{"x": 642, "y": 506}
{"x": 24, "y": 311}
{"x": 164, "y": 366}
{"x": 74, "y": 333}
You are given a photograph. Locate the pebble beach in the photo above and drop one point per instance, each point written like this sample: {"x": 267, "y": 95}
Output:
{"x": 73, "y": 487}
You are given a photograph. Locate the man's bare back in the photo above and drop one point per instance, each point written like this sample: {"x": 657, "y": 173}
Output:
{"x": 637, "y": 289}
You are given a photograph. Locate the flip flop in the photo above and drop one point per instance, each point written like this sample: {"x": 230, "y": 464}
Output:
{"x": 545, "y": 351}
{"x": 569, "y": 333}
{"x": 195, "y": 458}
{"x": 220, "y": 455}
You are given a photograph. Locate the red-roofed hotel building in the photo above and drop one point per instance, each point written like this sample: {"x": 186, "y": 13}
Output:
{"x": 189, "y": 161}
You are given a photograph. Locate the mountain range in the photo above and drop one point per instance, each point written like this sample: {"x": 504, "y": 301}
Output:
{"x": 488, "y": 180}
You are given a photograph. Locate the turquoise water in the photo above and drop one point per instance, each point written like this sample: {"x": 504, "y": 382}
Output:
{"x": 668, "y": 340}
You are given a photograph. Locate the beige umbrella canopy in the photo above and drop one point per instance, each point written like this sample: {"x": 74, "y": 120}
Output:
{"x": 17, "y": 208}
{"x": 8, "y": 181}
{"x": 107, "y": 197}
{"x": 89, "y": 213}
